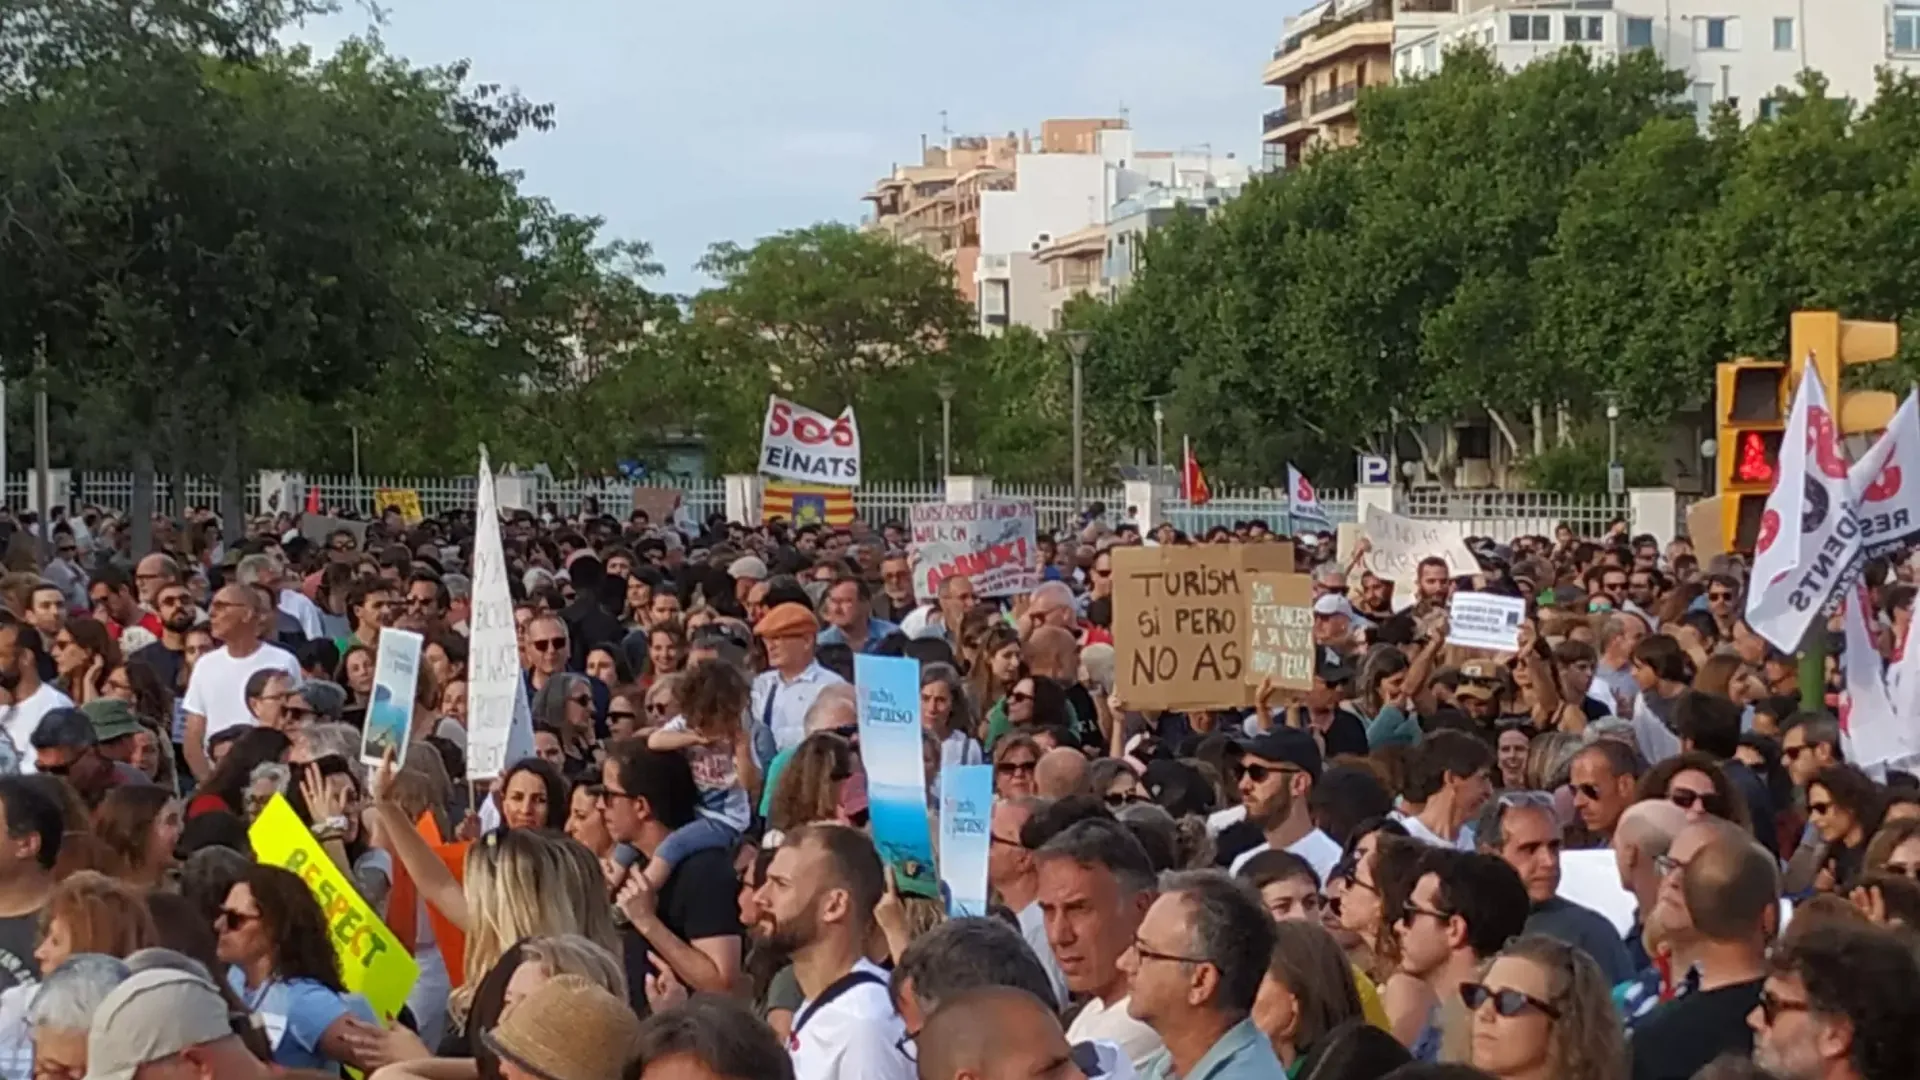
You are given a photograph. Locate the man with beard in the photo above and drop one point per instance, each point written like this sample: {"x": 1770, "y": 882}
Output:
{"x": 168, "y": 655}
{"x": 1277, "y": 774}
{"x": 817, "y": 906}
{"x": 29, "y": 699}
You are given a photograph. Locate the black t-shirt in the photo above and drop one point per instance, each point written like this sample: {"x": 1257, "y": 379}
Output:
{"x": 1759, "y": 804}
{"x": 18, "y": 935}
{"x": 1679, "y": 1038}
{"x": 165, "y": 662}
{"x": 700, "y": 900}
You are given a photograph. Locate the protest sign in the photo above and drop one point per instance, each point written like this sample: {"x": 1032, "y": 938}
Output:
{"x": 966, "y": 837}
{"x": 406, "y": 500}
{"x": 800, "y": 444}
{"x": 990, "y": 542}
{"x": 660, "y": 504}
{"x": 1704, "y": 528}
{"x": 889, "y": 695}
{"x": 373, "y": 962}
{"x": 396, "y": 674}
{"x": 1180, "y": 622}
{"x": 1479, "y": 620}
{"x": 499, "y": 721}
{"x": 1280, "y": 630}
{"x": 316, "y": 528}
{"x": 1397, "y": 544}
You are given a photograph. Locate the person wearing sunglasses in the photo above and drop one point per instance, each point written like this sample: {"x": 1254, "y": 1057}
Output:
{"x": 1543, "y": 1011}
{"x": 1845, "y": 806}
{"x": 1278, "y": 769}
{"x": 1895, "y": 849}
{"x": 1463, "y": 909}
{"x": 1837, "y": 1006}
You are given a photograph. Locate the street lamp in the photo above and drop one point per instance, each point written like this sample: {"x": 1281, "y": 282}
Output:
{"x": 1613, "y": 445}
{"x": 1159, "y": 437}
{"x": 946, "y": 428}
{"x": 1076, "y": 348}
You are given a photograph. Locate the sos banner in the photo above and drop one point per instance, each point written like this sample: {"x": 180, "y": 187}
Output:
{"x": 800, "y": 444}
{"x": 990, "y": 542}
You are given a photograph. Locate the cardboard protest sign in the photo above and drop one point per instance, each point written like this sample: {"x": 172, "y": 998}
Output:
{"x": 1484, "y": 621}
{"x": 800, "y": 444}
{"x": 373, "y": 962}
{"x": 1180, "y": 622}
{"x": 406, "y": 500}
{"x": 1280, "y": 630}
{"x": 1704, "y": 528}
{"x": 660, "y": 504}
{"x": 991, "y": 542}
{"x": 888, "y": 688}
{"x": 1397, "y": 544}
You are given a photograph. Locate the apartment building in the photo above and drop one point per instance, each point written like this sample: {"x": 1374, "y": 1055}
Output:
{"x": 1326, "y": 56}
{"x": 1736, "y": 51}
{"x": 935, "y": 205}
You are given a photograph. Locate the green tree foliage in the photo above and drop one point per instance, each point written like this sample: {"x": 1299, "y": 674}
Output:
{"x": 1512, "y": 245}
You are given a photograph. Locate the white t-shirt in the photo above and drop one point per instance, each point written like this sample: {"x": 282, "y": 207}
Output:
{"x": 218, "y": 688}
{"x": 1316, "y": 847}
{"x": 295, "y": 604}
{"x": 1098, "y": 1020}
{"x": 21, "y": 719}
{"x": 855, "y": 1036}
{"x": 1418, "y": 830}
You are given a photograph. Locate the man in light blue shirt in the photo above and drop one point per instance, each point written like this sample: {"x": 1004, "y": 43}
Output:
{"x": 783, "y": 693}
{"x": 1201, "y": 919}
{"x": 850, "y": 621}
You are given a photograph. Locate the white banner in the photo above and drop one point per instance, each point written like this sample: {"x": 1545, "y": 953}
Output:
{"x": 499, "y": 721}
{"x": 1399, "y": 543}
{"x": 1810, "y": 533}
{"x": 799, "y": 444}
{"x": 991, "y": 542}
{"x": 1886, "y": 483}
{"x": 1485, "y": 621}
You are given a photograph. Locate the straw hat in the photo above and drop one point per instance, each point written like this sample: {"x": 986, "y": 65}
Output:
{"x": 568, "y": 1029}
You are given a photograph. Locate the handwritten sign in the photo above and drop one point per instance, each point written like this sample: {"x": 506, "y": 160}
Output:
{"x": 1398, "y": 544}
{"x": 800, "y": 444}
{"x": 1485, "y": 621}
{"x": 990, "y": 542}
{"x": 1280, "y": 630}
{"x": 499, "y": 721}
{"x": 1180, "y": 622}
{"x": 373, "y": 962}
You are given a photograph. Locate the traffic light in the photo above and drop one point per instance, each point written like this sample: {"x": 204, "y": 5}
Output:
{"x": 1832, "y": 344}
{"x": 1751, "y": 418}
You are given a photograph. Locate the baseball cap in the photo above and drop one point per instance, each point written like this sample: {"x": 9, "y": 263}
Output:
{"x": 1333, "y": 604}
{"x": 1480, "y": 680}
{"x": 153, "y": 1015}
{"x": 1332, "y": 668}
{"x": 111, "y": 718}
{"x": 1289, "y": 746}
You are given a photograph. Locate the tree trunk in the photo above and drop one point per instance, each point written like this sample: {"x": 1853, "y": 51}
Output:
{"x": 1565, "y": 436}
{"x": 142, "y": 508}
{"x": 1539, "y": 429}
{"x": 233, "y": 493}
{"x": 1506, "y": 432}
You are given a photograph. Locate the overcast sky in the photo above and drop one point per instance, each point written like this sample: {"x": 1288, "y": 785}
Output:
{"x": 683, "y": 124}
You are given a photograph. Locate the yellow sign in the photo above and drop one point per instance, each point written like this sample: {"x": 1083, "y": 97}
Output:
{"x": 406, "y": 500}
{"x": 373, "y": 962}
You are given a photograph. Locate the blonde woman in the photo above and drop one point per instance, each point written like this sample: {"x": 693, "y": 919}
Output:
{"x": 1543, "y": 1011}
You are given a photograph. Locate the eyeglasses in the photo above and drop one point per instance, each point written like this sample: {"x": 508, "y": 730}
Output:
{"x": 1259, "y": 773}
{"x": 1792, "y": 754}
{"x": 585, "y": 701}
{"x": 1910, "y": 871}
{"x": 1617, "y": 585}
{"x": 1772, "y": 1005}
{"x": 1013, "y": 768}
{"x": 1145, "y": 953}
{"x": 233, "y": 920}
{"x": 548, "y": 644}
{"x": 1719, "y": 594}
{"x": 614, "y": 716}
{"x": 1587, "y": 791}
{"x": 1507, "y": 1002}
{"x": 1414, "y": 911}
{"x": 1683, "y": 798}
{"x": 63, "y": 768}
{"x": 658, "y": 708}
{"x": 298, "y": 712}
{"x": 607, "y": 794}
{"x": 1017, "y": 698}
{"x": 1819, "y": 809}
{"x": 1118, "y": 799}
{"x": 1667, "y": 865}
{"x": 1004, "y": 842}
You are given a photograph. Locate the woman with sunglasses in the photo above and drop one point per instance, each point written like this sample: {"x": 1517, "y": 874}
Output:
{"x": 282, "y": 964}
{"x": 1696, "y": 783}
{"x": 1895, "y": 849}
{"x": 1845, "y": 806}
{"x": 1384, "y": 870}
{"x": 565, "y": 705}
{"x": 1114, "y": 782}
{"x": 1014, "y": 760}
{"x": 1543, "y": 1011}
{"x": 84, "y": 652}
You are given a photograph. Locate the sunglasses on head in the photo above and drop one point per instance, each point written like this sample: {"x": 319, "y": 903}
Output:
{"x": 1507, "y": 1003}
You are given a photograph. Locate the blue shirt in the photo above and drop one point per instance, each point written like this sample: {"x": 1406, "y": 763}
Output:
{"x": 1243, "y": 1053}
{"x": 877, "y": 631}
{"x": 294, "y": 1013}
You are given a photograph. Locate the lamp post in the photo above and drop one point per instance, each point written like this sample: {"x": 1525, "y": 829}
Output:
{"x": 946, "y": 429}
{"x": 1076, "y": 348}
{"x": 1613, "y": 446}
{"x": 1159, "y": 437}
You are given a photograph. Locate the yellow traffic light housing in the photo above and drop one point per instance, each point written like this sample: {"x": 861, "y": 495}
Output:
{"x": 1831, "y": 345}
{"x": 1751, "y": 419}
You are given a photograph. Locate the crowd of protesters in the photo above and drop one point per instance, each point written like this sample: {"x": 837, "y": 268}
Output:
{"x": 1357, "y": 881}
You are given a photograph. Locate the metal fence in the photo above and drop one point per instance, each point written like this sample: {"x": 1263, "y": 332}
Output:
{"x": 1501, "y": 515}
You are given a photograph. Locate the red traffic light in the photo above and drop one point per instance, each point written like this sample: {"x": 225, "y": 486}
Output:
{"x": 1756, "y": 459}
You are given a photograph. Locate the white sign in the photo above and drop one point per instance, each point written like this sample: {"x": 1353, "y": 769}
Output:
{"x": 1480, "y": 620}
{"x": 499, "y": 721}
{"x": 991, "y": 542}
{"x": 1399, "y": 543}
{"x": 1591, "y": 879}
{"x": 799, "y": 444}
{"x": 1373, "y": 469}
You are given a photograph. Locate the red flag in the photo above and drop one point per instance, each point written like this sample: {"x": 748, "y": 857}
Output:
{"x": 313, "y": 498}
{"x": 1193, "y": 480}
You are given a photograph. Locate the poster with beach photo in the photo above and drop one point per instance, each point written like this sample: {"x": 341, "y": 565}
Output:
{"x": 396, "y": 671}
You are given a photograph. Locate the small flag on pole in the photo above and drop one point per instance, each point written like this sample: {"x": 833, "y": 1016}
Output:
{"x": 1193, "y": 480}
{"x": 1303, "y": 503}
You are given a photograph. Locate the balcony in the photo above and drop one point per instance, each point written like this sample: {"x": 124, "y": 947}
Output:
{"x": 1329, "y": 21}
{"x": 1285, "y": 116}
{"x": 1333, "y": 99}
{"x": 1367, "y": 30}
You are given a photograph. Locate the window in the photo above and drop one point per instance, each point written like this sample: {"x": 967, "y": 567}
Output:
{"x": 1529, "y": 28}
{"x": 1639, "y": 33}
{"x": 1584, "y": 27}
{"x": 1783, "y": 35}
{"x": 1716, "y": 33}
{"x": 1703, "y": 102}
{"x": 1769, "y": 109}
{"x": 1430, "y": 56}
{"x": 1906, "y": 30}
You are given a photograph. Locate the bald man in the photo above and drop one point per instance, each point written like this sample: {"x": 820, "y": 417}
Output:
{"x": 1641, "y": 835}
{"x": 1060, "y": 773}
{"x": 995, "y": 1033}
{"x": 217, "y": 690}
{"x": 1053, "y": 653}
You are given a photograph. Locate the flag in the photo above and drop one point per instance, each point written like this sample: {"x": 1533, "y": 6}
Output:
{"x": 1877, "y": 729}
{"x": 313, "y": 498}
{"x": 1193, "y": 481}
{"x": 1303, "y": 503}
{"x": 1809, "y": 539}
{"x": 803, "y": 504}
{"x": 1886, "y": 484}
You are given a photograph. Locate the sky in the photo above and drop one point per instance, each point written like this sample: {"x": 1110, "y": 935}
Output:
{"x": 685, "y": 124}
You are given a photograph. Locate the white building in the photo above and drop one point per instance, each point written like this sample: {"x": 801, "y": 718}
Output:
{"x": 1044, "y": 242}
{"x": 1741, "y": 51}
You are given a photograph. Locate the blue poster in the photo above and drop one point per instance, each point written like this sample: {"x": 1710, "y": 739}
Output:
{"x": 966, "y": 835}
{"x": 396, "y": 672}
{"x": 889, "y": 689}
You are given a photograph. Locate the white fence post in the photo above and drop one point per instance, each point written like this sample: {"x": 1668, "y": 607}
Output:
{"x": 967, "y": 489}
{"x": 743, "y": 498}
{"x": 1380, "y": 495}
{"x": 1655, "y": 511}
